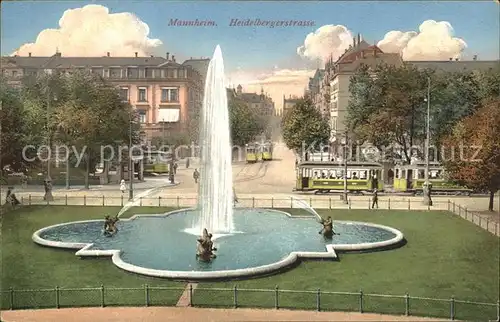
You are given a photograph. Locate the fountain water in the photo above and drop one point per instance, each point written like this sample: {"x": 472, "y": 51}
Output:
{"x": 216, "y": 174}
{"x": 299, "y": 203}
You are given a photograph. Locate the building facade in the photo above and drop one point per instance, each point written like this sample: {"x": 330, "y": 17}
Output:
{"x": 338, "y": 74}
{"x": 165, "y": 93}
{"x": 259, "y": 102}
{"x": 289, "y": 104}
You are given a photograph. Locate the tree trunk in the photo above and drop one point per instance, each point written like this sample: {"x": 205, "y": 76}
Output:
{"x": 492, "y": 200}
{"x": 87, "y": 170}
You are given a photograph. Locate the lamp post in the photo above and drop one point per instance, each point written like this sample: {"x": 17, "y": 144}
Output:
{"x": 49, "y": 142}
{"x": 344, "y": 143}
{"x": 131, "y": 162}
{"x": 427, "y": 186}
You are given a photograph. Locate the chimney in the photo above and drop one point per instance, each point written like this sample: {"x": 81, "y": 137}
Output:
{"x": 29, "y": 54}
{"x": 474, "y": 58}
{"x": 168, "y": 56}
{"x": 173, "y": 58}
{"x": 354, "y": 41}
{"x": 359, "y": 38}
{"x": 136, "y": 53}
{"x": 107, "y": 54}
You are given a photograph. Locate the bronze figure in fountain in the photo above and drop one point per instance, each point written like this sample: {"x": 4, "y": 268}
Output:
{"x": 205, "y": 249}
{"x": 110, "y": 225}
{"x": 327, "y": 229}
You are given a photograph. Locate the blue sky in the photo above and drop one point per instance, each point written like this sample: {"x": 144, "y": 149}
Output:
{"x": 261, "y": 48}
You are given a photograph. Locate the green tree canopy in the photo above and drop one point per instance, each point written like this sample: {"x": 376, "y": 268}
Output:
{"x": 478, "y": 166}
{"x": 245, "y": 124}
{"x": 13, "y": 125}
{"x": 304, "y": 125}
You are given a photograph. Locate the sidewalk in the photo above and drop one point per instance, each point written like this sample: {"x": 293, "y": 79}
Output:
{"x": 148, "y": 183}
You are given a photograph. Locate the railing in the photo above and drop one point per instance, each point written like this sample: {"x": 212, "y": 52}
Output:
{"x": 235, "y": 297}
{"x": 482, "y": 221}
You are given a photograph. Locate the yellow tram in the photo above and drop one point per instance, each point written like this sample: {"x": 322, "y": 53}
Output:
{"x": 322, "y": 177}
{"x": 267, "y": 151}
{"x": 253, "y": 153}
{"x": 157, "y": 162}
{"x": 411, "y": 178}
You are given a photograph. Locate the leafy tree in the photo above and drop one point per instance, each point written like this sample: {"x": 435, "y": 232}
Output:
{"x": 387, "y": 105}
{"x": 79, "y": 109}
{"x": 304, "y": 125}
{"x": 482, "y": 171}
{"x": 245, "y": 124}
{"x": 13, "y": 125}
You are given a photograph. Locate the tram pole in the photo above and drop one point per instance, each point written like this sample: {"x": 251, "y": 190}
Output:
{"x": 346, "y": 142}
{"x": 427, "y": 186}
{"x": 130, "y": 162}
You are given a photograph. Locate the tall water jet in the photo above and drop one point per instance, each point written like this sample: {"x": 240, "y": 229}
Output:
{"x": 216, "y": 173}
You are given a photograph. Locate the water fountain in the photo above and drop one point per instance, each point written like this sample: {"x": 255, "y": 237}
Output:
{"x": 216, "y": 172}
{"x": 164, "y": 245}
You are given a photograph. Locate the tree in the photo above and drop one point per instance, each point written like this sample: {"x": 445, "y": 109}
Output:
{"x": 245, "y": 124}
{"x": 78, "y": 109}
{"x": 304, "y": 125}
{"x": 481, "y": 171}
{"x": 387, "y": 106}
{"x": 13, "y": 126}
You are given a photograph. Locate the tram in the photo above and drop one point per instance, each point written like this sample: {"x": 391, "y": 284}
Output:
{"x": 322, "y": 177}
{"x": 411, "y": 178}
{"x": 157, "y": 162}
{"x": 267, "y": 151}
{"x": 253, "y": 153}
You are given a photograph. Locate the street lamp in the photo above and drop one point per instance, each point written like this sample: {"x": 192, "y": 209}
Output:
{"x": 427, "y": 185}
{"x": 344, "y": 141}
{"x": 131, "y": 162}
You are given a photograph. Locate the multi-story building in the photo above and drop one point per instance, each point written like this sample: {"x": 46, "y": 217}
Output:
{"x": 164, "y": 92}
{"x": 289, "y": 104}
{"x": 338, "y": 75}
{"x": 316, "y": 90}
{"x": 259, "y": 102}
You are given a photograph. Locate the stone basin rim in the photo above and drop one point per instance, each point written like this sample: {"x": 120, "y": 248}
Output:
{"x": 293, "y": 257}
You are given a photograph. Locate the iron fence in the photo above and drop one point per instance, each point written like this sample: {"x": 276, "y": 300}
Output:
{"x": 235, "y": 297}
{"x": 484, "y": 221}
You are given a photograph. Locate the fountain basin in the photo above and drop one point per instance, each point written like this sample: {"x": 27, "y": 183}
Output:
{"x": 269, "y": 240}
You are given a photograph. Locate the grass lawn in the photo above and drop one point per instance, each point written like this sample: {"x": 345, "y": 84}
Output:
{"x": 26, "y": 265}
{"x": 445, "y": 257}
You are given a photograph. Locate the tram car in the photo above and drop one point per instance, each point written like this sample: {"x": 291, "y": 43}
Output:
{"x": 253, "y": 153}
{"x": 267, "y": 151}
{"x": 157, "y": 162}
{"x": 322, "y": 177}
{"x": 411, "y": 178}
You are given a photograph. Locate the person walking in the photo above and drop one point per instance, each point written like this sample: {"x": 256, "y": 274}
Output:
{"x": 187, "y": 163}
{"x": 375, "y": 198}
{"x": 196, "y": 175}
{"x": 123, "y": 187}
{"x": 175, "y": 168}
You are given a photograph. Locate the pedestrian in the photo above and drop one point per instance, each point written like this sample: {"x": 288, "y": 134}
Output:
{"x": 123, "y": 188}
{"x": 187, "y": 163}
{"x": 175, "y": 168}
{"x": 375, "y": 198}
{"x": 196, "y": 175}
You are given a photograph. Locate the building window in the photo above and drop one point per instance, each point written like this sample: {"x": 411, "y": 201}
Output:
{"x": 124, "y": 94}
{"x": 169, "y": 94}
{"x": 14, "y": 73}
{"x": 142, "y": 116}
{"x": 143, "y": 94}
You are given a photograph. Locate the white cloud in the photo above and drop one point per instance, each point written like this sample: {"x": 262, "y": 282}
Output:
{"x": 325, "y": 41}
{"x": 434, "y": 41}
{"x": 93, "y": 31}
{"x": 276, "y": 83}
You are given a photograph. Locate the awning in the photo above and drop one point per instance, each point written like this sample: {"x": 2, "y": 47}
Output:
{"x": 168, "y": 115}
